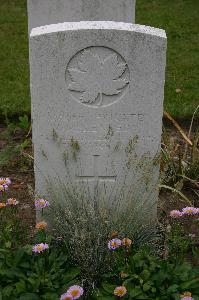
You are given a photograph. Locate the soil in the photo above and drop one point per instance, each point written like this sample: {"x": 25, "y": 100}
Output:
{"x": 20, "y": 170}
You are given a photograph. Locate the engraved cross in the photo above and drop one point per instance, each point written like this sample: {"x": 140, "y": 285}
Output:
{"x": 96, "y": 177}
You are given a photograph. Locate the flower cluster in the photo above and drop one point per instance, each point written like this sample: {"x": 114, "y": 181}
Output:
{"x": 116, "y": 243}
{"x": 187, "y": 211}
{"x": 73, "y": 293}
{"x": 186, "y": 296}
{"x": 38, "y": 248}
{"x": 120, "y": 291}
{"x": 9, "y": 202}
{"x": 41, "y": 203}
{"x": 4, "y": 183}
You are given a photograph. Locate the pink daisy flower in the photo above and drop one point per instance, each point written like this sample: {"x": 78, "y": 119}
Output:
{"x": 41, "y": 203}
{"x": 114, "y": 244}
{"x": 12, "y": 201}
{"x": 75, "y": 291}
{"x": 120, "y": 291}
{"x": 38, "y": 248}
{"x": 66, "y": 296}
{"x": 5, "y": 181}
{"x": 189, "y": 211}
{"x": 175, "y": 214}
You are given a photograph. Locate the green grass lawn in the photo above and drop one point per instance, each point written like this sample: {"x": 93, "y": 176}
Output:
{"x": 178, "y": 17}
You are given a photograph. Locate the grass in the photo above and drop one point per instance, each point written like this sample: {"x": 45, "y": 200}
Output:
{"x": 180, "y": 20}
{"x": 14, "y": 71}
{"x": 178, "y": 17}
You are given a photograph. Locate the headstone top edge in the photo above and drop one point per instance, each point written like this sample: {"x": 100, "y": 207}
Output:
{"x": 108, "y": 25}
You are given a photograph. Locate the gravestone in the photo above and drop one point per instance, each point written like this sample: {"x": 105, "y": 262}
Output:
{"x": 97, "y": 93}
{"x": 45, "y": 12}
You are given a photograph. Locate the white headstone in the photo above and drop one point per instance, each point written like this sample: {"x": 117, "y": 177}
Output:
{"x": 97, "y": 103}
{"x": 45, "y": 12}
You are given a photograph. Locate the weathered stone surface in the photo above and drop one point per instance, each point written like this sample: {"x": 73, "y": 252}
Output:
{"x": 45, "y": 12}
{"x": 97, "y": 101}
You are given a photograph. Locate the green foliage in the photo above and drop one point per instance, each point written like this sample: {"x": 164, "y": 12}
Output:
{"x": 13, "y": 153}
{"x": 24, "y": 275}
{"x": 8, "y": 133}
{"x": 28, "y": 275}
{"x": 179, "y": 243}
{"x": 14, "y": 71}
{"x": 9, "y": 231}
{"x": 181, "y": 238}
{"x": 24, "y": 122}
{"x": 25, "y": 144}
{"x": 149, "y": 277}
{"x": 83, "y": 243}
{"x": 15, "y": 144}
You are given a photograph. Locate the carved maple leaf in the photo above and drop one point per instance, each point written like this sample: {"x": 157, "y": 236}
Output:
{"x": 95, "y": 76}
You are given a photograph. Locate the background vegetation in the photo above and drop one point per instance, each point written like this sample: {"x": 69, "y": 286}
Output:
{"x": 179, "y": 18}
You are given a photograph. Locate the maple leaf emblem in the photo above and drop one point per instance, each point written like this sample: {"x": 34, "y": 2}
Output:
{"x": 95, "y": 76}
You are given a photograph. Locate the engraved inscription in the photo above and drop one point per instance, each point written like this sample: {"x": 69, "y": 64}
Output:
{"x": 96, "y": 177}
{"x": 120, "y": 122}
{"x": 97, "y": 76}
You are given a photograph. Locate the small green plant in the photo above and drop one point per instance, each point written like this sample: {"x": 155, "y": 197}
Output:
{"x": 24, "y": 122}
{"x": 179, "y": 242}
{"x": 24, "y": 145}
{"x": 75, "y": 147}
{"x": 13, "y": 152}
{"x": 130, "y": 147}
{"x": 44, "y": 154}
{"x": 55, "y": 135}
